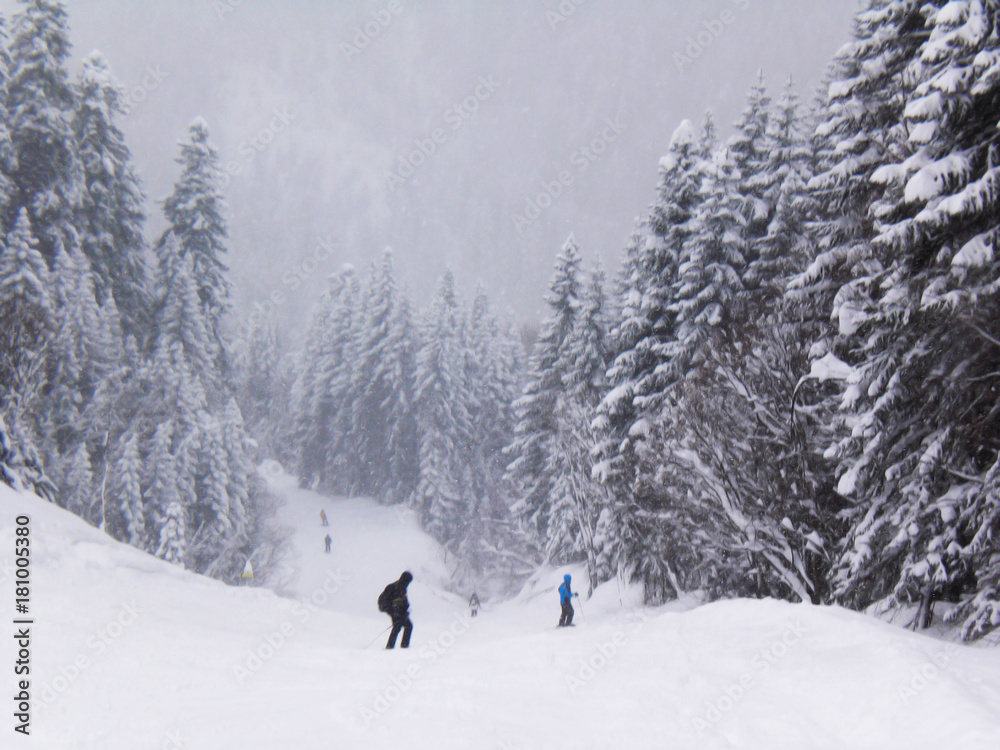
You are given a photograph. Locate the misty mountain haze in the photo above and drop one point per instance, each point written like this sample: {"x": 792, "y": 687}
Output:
{"x": 349, "y": 117}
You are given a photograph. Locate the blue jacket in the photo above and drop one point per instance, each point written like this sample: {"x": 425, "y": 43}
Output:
{"x": 564, "y": 593}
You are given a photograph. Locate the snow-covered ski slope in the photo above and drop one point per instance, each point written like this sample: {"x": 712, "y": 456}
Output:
{"x": 129, "y": 652}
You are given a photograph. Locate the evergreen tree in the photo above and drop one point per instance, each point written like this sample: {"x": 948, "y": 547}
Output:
{"x": 403, "y": 443}
{"x": 782, "y": 248}
{"x": 195, "y": 214}
{"x": 8, "y": 160}
{"x": 919, "y": 459}
{"x": 163, "y": 498}
{"x": 40, "y": 104}
{"x": 640, "y": 371}
{"x": 535, "y": 425}
{"x": 265, "y": 382}
{"x": 20, "y": 466}
{"x": 127, "y": 488}
{"x": 577, "y": 498}
{"x": 82, "y": 354}
{"x": 79, "y": 496}
{"x": 382, "y": 408}
{"x": 110, "y": 216}
{"x": 306, "y": 432}
{"x": 444, "y": 420}
{"x": 493, "y": 543}
{"x": 26, "y": 309}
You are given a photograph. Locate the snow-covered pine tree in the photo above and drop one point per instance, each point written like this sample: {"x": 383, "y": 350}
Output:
{"x": 40, "y": 103}
{"x": 535, "y": 422}
{"x": 28, "y": 325}
{"x": 494, "y": 544}
{"x": 738, "y": 199}
{"x": 208, "y": 516}
{"x": 82, "y": 353}
{"x": 10, "y": 466}
{"x": 239, "y": 451}
{"x": 310, "y": 455}
{"x": 860, "y": 130}
{"x": 195, "y": 213}
{"x": 8, "y": 162}
{"x": 127, "y": 491}
{"x": 78, "y": 493}
{"x": 181, "y": 317}
{"x": 110, "y": 217}
{"x": 26, "y": 308}
{"x": 399, "y": 368}
{"x": 382, "y": 402}
{"x": 323, "y": 422}
{"x": 920, "y": 461}
{"x": 577, "y": 498}
{"x": 20, "y": 466}
{"x": 783, "y": 246}
{"x": 444, "y": 419}
{"x": 639, "y": 374}
{"x": 264, "y": 383}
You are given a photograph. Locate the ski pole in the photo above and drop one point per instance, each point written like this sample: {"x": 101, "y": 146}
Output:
{"x": 376, "y": 638}
{"x": 580, "y": 605}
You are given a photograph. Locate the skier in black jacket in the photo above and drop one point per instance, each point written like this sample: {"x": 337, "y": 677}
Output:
{"x": 393, "y": 602}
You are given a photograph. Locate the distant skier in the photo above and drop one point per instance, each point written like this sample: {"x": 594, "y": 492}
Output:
{"x": 474, "y": 604}
{"x": 566, "y": 599}
{"x": 394, "y": 603}
{"x": 322, "y": 518}
{"x": 329, "y": 541}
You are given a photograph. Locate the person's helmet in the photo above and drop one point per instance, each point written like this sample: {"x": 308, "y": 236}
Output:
{"x": 406, "y": 577}
{"x": 567, "y": 578}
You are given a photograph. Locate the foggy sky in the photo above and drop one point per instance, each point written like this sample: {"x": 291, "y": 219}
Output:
{"x": 311, "y": 124}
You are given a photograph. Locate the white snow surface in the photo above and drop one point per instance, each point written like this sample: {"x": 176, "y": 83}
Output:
{"x": 130, "y": 652}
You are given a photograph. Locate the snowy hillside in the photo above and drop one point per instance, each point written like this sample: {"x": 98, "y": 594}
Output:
{"x": 130, "y": 652}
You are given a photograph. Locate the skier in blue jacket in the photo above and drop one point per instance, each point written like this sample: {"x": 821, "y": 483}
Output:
{"x": 566, "y": 599}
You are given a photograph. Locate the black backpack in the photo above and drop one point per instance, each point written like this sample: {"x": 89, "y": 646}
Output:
{"x": 385, "y": 598}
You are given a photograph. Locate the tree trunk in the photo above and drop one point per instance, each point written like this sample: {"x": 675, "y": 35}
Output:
{"x": 925, "y": 615}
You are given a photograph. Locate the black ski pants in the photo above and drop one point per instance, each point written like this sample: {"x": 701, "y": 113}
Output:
{"x": 400, "y": 622}
{"x": 567, "y": 613}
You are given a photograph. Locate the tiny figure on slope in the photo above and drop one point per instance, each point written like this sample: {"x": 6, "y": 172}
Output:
{"x": 474, "y": 604}
{"x": 329, "y": 541}
{"x": 566, "y": 599}
{"x": 322, "y": 518}
{"x": 394, "y": 603}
